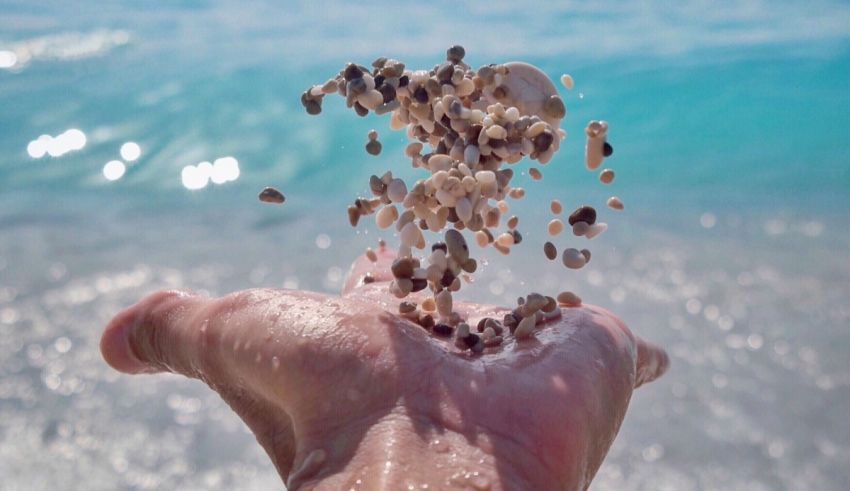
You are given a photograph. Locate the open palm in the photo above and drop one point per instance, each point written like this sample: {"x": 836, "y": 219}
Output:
{"x": 344, "y": 393}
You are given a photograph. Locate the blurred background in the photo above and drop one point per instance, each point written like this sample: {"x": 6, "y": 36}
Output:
{"x": 729, "y": 122}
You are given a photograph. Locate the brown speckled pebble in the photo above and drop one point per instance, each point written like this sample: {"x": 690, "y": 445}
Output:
{"x": 368, "y": 278}
{"x": 406, "y": 307}
{"x": 550, "y": 251}
{"x": 271, "y": 195}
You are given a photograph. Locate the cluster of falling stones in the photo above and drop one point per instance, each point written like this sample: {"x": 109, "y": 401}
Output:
{"x": 473, "y": 122}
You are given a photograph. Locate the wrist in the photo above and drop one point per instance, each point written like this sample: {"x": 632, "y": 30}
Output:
{"x": 397, "y": 452}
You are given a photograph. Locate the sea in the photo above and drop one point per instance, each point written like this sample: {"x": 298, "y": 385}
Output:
{"x": 135, "y": 137}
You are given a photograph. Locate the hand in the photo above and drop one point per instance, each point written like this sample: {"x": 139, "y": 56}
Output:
{"x": 342, "y": 392}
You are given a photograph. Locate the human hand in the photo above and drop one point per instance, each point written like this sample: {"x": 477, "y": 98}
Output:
{"x": 343, "y": 393}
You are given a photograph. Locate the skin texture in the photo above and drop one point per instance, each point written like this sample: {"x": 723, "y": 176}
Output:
{"x": 344, "y": 393}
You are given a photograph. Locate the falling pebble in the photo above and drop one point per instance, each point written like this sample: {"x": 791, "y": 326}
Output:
{"x": 567, "y": 81}
{"x": 272, "y": 195}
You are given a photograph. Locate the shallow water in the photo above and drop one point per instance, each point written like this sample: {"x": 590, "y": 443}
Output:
{"x": 729, "y": 129}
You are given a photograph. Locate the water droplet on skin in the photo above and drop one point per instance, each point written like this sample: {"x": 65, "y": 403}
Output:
{"x": 480, "y": 482}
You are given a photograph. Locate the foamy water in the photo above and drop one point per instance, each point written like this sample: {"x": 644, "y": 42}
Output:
{"x": 731, "y": 158}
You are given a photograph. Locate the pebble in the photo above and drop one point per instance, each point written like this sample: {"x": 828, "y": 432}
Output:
{"x": 615, "y": 204}
{"x": 595, "y": 230}
{"x": 397, "y": 190}
{"x": 586, "y": 254}
{"x": 429, "y": 305}
{"x": 426, "y": 321}
{"x": 606, "y": 176}
{"x": 513, "y": 222}
{"x": 371, "y": 255}
{"x": 594, "y": 148}
{"x": 525, "y": 328}
{"x": 550, "y": 251}
{"x": 607, "y": 149}
{"x": 402, "y": 267}
{"x": 580, "y": 228}
{"x": 372, "y": 135}
{"x": 535, "y": 173}
{"x": 573, "y": 258}
{"x": 455, "y": 54}
{"x": 374, "y": 147}
{"x": 505, "y": 240}
{"x": 443, "y": 330}
{"x": 271, "y": 195}
{"x": 406, "y": 307}
{"x": 569, "y": 299}
{"x": 353, "y": 215}
{"x": 481, "y": 238}
{"x": 443, "y": 302}
{"x": 556, "y": 226}
{"x": 457, "y": 245}
{"x": 386, "y": 216}
{"x": 567, "y": 81}
{"x": 585, "y": 214}
{"x": 556, "y": 207}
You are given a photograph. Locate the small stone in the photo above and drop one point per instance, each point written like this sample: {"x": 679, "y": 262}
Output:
{"x": 271, "y": 195}
{"x": 573, "y": 258}
{"x": 470, "y": 265}
{"x": 471, "y": 340}
{"x": 455, "y": 54}
{"x": 510, "y": 321}
{"x": 370, "y": 254}
{"x": 535, "y": 173}
{"x": 567, "y": 81}
{"x": 607, "y": 149}
{"x": 426, "y": 321}
{"x": 585, "y": 214}
{"x": 615, "y": 204}
{"x": 456, "y": 245}
{"x": 513, "y": 222}
{"x": 550, "y": 251}
{"x": 352, "y": 72}
{"x": 543, "y": 141}
{"x": 372, "y": 135}
{"x": 586, "y": 254}
{"x": 551, "y": 305}
{"x": 360, "y": 110}
{"x": 419, "y": 284}
{"x": 377, "y": 185}
{"x": 606, "y": 176}
{"x": 569, "y": 299}
{"x": 406, "y": 307}
{"x": 353, "y": 215}
{"x": 374, "y": 147}
{"x": 556, "y": 207}
{"x": 555, "y": 107}
{"x": 580, "y": 228}
{"x": 525, "y": 328}
{"x": 421, "y": 95}
{"x": 444, "y": 303}
{"x": 403, "y": 268}
{"x": 443, "y": 330}
{"x": 555, "y": 227}
{"x": 517, "y": 236}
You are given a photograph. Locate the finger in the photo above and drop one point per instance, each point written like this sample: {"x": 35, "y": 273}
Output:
{"x": 151, "y": 335}
{"x": 652, "y": 362}
{"x": 363, "y": 267}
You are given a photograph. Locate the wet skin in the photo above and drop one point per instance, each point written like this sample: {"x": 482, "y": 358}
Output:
{"x": 343, "y": 393}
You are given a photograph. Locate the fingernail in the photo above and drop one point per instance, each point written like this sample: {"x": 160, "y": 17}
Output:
{"x": 116, "y": 348}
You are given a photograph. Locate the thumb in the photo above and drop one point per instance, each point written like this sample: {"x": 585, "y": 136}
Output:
{"x": 652, "y": 362}
{"x": 153, "y": 335}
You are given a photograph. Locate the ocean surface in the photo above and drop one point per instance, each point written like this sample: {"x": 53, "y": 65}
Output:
{"x": 729, "y": 122}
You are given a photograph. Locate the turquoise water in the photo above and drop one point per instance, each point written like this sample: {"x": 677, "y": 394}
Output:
{"x": 729, "y": 123}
